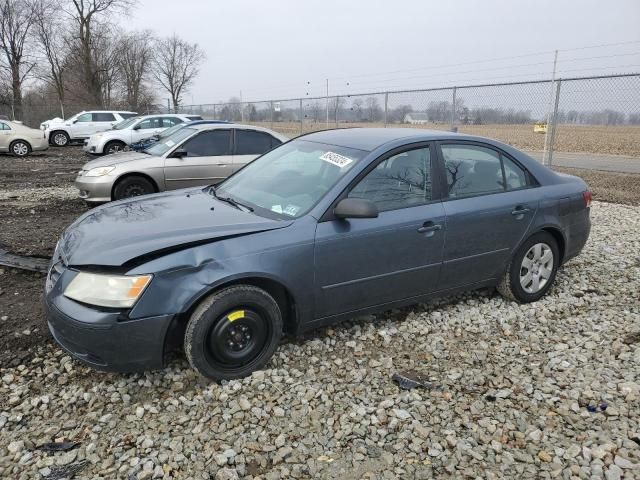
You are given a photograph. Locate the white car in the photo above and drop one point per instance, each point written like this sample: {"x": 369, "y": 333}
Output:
{"x": 61, "y": 132}
{"x": 131, "y": 131}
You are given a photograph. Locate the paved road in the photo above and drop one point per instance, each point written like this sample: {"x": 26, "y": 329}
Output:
{"x": 610, "y": 163}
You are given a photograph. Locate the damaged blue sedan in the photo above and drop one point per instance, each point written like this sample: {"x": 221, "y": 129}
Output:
{"x": 328, "y": 226}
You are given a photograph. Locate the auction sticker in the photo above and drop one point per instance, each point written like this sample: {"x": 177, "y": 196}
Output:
{"x": 336, "y": 159}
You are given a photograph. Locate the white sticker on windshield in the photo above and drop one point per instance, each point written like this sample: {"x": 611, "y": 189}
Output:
{"x": 170, "y": 143}
{"x": 291, "y": 210}
{"x": 336, "y": 159}
{"x": 277, "y": 208}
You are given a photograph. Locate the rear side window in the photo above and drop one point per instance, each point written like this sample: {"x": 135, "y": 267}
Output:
{"x": 104, "y": 117}
{"x": 474, "y": 170}
{"x": 250, "y": 142}
{"x": 4, "y": 126}
{"x": 168, "y": 122}
{"x": 210, "y": 143}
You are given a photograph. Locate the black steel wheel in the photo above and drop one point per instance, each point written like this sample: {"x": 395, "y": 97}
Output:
{"x": 233, "y": 332}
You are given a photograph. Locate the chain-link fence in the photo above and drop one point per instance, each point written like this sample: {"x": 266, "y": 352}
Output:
{"x": 589, "y": 114}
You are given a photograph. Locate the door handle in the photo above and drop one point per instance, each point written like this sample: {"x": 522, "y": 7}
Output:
{"x": 520, "y": 210}
{"x": 429, "y": 227}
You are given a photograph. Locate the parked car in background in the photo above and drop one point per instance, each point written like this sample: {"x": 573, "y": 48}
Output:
{"x": 326, "y": 227}
{"x": 61, "y": 132}
{"x": 131, "y": 131}
{"x": 20, "y": 140}
{"x": 194, "y": 155}
{"x": 147, "y": 142}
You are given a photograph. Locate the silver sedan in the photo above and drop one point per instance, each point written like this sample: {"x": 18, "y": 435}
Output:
{"x": 195, "y": 155}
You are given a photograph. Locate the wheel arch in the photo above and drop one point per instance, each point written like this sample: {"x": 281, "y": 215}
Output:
{"x": 560, "y": 239}
{"x": 58, "y": 130}
{"x": 21, "y": 140}
{"x": 134, "y": 174}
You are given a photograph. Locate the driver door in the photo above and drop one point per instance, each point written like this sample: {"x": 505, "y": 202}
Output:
{"x": 366, "y": 262}
{"x": 83, "y": 126}
{"x": 207, "y": 159}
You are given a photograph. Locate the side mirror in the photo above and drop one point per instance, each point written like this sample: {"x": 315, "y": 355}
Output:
{"x": 179, "y": 153}
{"x": 137, "y": 127}
{"x": 355, "y": 208}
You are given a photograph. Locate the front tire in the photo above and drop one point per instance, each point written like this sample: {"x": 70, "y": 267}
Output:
{"x": 233, "y": 332}
{"x": 114, "y": 147}
{"x": 132, "y": 186}
{"x": 532, "y": 270}
{"x": 20, "y": 148}
{"x": 59, "y": 138}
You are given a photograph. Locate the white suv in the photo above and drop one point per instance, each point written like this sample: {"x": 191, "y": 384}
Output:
{"x": 61, "y": 132}
{"x": 131, "y": 131}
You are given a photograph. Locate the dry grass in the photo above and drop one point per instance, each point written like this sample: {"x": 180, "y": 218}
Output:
{"x": 609, "y": 186}
{"x": 600, "y": 139}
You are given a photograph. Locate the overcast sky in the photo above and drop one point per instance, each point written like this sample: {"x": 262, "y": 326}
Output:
{"x": 271, "y": 49}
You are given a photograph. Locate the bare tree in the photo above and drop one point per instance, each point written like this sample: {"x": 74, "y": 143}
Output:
{"x": 106, "y": 56}
{"x": 16, "y": 20}
{"x": 176, "y": 66}
{"x": 135, "y": 57}
{"x": 87, "y": 15}
{"x": 50, "y": 32}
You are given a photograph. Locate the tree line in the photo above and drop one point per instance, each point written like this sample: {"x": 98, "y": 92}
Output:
{"x": 74, "y": 51}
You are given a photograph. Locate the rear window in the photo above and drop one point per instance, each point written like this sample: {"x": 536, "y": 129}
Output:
{"x": 128, "y": 115}
{"x": 194, "y": 117}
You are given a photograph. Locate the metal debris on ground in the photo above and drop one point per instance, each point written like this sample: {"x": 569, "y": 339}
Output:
{"x": 57, "y": 446}
{"x": 34, "y": 264}
{"x": 66, "y": 471}
{"x": 409, "y": 380}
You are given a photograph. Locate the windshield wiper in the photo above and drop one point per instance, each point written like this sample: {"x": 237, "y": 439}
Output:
{"x": 229, "y": 200}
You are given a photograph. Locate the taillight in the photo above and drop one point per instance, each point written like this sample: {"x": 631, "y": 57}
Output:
{"x": 587, "y": 196}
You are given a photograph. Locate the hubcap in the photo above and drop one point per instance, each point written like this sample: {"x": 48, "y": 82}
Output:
{"x": 60, "y": 139}
{"x": 237, "y": 338}
{"x": 20, "y": 149}
{"x": 536, "y": 268}
{"x": 134, "y": 190}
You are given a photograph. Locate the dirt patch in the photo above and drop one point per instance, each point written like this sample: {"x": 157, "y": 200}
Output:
{"x": 609, "y": 186}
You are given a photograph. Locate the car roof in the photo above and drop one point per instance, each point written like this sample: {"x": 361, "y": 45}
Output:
{"x": 208, "y": 126}
{"x": 369, "y": 139}
{"x": 107, "y": 111}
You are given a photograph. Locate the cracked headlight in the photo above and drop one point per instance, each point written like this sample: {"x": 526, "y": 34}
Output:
{"x": 99, "y": 171}
{"x": 115, "y": 291}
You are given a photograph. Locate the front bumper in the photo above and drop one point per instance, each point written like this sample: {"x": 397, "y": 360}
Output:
{"x": 107, "y": 340}
{"x": 39, "y": 144}
{"x": 95, "y": 189}
{"x": 93, "y": 147}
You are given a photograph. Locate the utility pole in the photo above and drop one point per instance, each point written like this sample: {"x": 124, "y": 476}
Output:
{"x": 547, "y": 137}
{"x": 241, "y": 109}
{"x": 168, "y": 105}
{"x": 327, "y": 103}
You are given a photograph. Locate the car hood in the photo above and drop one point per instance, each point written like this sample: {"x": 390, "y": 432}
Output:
{"x": 114, "y": 159}
{"x": 119, "y": 232}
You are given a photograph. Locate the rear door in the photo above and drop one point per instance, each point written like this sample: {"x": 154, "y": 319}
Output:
{"x": 491, "y": 203}
{"x": 250, "y": 144}
{"x": 208, "y": 160}
{"x": 365, "y": 262}
{"x": 102, "y": 121}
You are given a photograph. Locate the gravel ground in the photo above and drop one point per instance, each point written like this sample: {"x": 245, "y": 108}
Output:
{"x": 546, "y": 390}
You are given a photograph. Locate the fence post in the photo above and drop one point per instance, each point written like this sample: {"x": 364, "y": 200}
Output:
{"x": 301, "y": 118}
{"x": 215, "y": 117}
{"x": 554, "y": 120}
{"x": 386, "y": 108}
{"x": 453, "y": 110}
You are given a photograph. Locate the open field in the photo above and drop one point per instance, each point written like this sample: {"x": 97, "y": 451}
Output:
{"x": 618, "y": 140}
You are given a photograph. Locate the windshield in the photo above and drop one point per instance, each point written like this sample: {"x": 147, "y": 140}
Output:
{"x": 161, "y": 147}
{"x": 125, "y": 123}
{"x": 291, "y": 179}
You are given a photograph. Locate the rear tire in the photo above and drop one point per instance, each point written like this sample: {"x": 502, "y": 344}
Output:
{"x": 20, "y": 148}
{"x": 532, "y": 269}
{"x": 59, "y": 138}
{"x": 114, "y": 147}
{"x": 233, "y": 332}
{"x": 132, "y": 186}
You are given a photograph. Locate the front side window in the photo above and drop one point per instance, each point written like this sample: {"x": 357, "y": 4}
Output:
{"x": 400, "y": 181}
{"x": 85, "y": 117}
{"x": 289, "y": 180}
{"x": 167, "y": 143}
{"x": 103, "y": 117}
{"x": 210, "y": 143}
{"x": 251, "y": 142}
